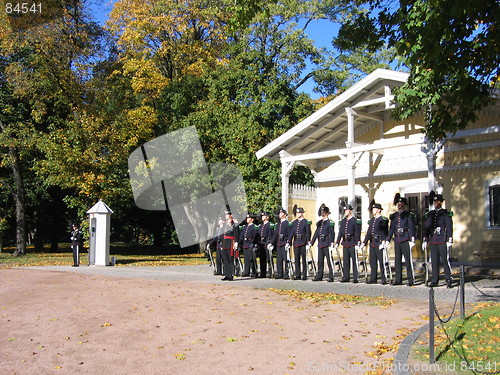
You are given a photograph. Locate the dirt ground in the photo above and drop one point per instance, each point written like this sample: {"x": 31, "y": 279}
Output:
{"x": 66, "y": 323}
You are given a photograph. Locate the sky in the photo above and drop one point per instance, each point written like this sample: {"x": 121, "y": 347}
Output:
{"x": 321, "y": 32}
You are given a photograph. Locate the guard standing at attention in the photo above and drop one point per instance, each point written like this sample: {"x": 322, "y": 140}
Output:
{"x": 229, "y": 245}
{"x": 76, "y": 243}
{"x": 349, "y": 234}
{"x": 403, "y": 229}
{"x": 325, "y": 234}
{"x": 438, "y": 235}
{"x": 280, "y": 240}
{"x": 300, "y": 234}
{"x": 249, "y": 237}
{"x": 377, "y": 234}
{"x": 266, "y": 230}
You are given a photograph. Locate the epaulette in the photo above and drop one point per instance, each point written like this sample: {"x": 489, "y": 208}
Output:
{"x": 384, "y": 218}
{"x": 358, "y": 221}
{"x": 332, "y": 224}
{"x": 290, "y": 223}
{"x": 272, "y": 226}
{"x": 391, "y": 216}
{"x": 413, "y": 215}
{"x": 340, "y": 223}
{"x": 426, "y": 214}
{"x": 257, "y": 227}
{"x": 309, "y": 222}
{"x": 450, "y": 213}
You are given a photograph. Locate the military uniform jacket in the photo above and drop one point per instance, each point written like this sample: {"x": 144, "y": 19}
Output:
{"x": 349, "y": 232}
{"x": 230, "y": 234}
{"x": 402, "y": 226}
{"x": 281, "y": 232}
{"x": 438, "y": 226}
{"x": 249, "y": 236}
{"x": 266, "y": 233}
{"x": 325, "y": 233}
{"x": 378, "y": 227}
{"x": 300, "y": 232}
{"x": 76, "y": 237}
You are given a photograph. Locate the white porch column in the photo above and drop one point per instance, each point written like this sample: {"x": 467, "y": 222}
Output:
{"x": 286, "y": 169}
{"x": 351, "y": 163}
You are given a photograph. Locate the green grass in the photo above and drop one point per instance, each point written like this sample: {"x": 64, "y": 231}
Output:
{"x": 126, "y": 255}
{"x": 470, "y": 345}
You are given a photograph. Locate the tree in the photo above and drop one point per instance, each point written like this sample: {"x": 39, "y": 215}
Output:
{"x": 451, "y": 48}
{"x": 42, "y": 70}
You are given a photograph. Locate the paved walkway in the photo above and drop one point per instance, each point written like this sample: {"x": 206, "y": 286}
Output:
{"x": 478, "y": 291}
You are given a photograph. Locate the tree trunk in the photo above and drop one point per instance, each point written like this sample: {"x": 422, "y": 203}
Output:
{"x": 19, "y": 198}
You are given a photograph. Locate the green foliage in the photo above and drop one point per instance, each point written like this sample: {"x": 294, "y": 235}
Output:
{"x": 451, "y": 48}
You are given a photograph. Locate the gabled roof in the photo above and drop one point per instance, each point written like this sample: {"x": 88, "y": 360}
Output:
{"x": 326, "y": 129}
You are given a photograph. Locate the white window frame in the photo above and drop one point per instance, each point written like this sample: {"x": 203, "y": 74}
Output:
{"x": 487, "y": 209}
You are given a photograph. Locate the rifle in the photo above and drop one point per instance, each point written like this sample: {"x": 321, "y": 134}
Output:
{"x": 365, "y": 264}
{"x": 253, "y": 250}
{"x": 311, "y": 262}
{"x": 269, "y": 249}
{"x": 387, "y": 263}
{"x": 339, "y": 262}
{"x": 210, "y": 258}
{"x": 291, "y": 270}
{"x": 426, "y": 263}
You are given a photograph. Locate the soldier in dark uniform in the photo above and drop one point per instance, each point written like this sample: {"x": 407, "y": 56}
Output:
{"x": 76, "y": 244}
{"x": 378, "y": 228}
{"x": 249, "y": 237}
{"x": 229, "y": 245}
{"x": 325, "y": 234}
{"x": 403, "y": 229}
{"x": 438, "y": 235}
{"x": 300, "y": 234}
{"x": 280, "y": 240}
{"x": 216, "y": 242}
{"x": 266, "y": 230}
{"x": 349, "y": 234}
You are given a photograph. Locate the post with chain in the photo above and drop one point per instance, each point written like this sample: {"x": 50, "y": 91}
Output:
{"x": 431, "y": 326}
{"x": 462, "y": 291}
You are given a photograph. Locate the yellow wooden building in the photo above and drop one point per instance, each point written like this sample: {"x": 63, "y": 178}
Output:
{"x": 357, "y": 152}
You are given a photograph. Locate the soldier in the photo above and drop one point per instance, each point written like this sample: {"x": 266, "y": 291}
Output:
{"x": 249, "y": 237}
{"x": 280, "y": 239}
{"x": 266, "y": 230}
{"x": 300, "y": 234}
{"x": 229, "y": 245}
{"x": 349, "y": 234}
{"x": 438, "y": 235}
{"x": 325, "y": 234}
{"x": 403, "y": 229}
{"x": 377, "y": 234}
{"x": 76, "y": 244}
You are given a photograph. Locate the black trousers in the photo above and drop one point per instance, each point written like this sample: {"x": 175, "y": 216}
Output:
{"x": 402, "y": 249}
{"x": 281, "y": 258}
{"x": 228, "y": 262}
{"x": 377, "y": 259}
{"x": 440, "y": 256}
{"x": 350, "y": 255}
{"x": 250, "y": 262}
{"x": 300, "y": 253}
{"x": 76, "y": 255}
{"x": 218, "y": 261}
{"x": 322, "y": 253}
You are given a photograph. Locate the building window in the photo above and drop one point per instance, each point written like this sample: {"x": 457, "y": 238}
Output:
{"x": 494, "y": 203}
{"x": 343, "y": 201}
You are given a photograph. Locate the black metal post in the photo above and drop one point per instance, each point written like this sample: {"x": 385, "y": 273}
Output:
{"x": 431, "y": 326}
{"x": 462, "y": 291}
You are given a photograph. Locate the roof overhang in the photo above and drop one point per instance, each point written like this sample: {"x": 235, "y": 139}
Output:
{"x": 326, "y": 129}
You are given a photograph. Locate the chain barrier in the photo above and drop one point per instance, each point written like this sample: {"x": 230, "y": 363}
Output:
{"x": 480, "y": 291}
{"x": 450, "y": 341}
